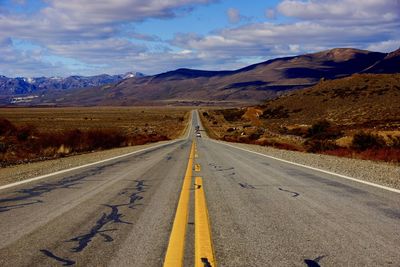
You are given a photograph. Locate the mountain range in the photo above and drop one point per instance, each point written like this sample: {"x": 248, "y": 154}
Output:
{"x": 23, "y": 85}
{"x": 251, "y": 84}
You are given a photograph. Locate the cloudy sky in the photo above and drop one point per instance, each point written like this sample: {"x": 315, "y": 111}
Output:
{"x": 87, "y": 37}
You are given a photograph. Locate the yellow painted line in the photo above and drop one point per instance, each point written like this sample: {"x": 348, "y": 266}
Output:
{"x": 197, "y": 167}
{"x": 204, "y": 251}
{"x": 176, "y": 245}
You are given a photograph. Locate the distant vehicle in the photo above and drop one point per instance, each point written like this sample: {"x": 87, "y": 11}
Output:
{"x": 198, "y": 135}
{"x": 197, "y": 128}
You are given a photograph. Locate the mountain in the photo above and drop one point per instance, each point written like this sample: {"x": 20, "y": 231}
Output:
{"x": 251, "y": 84}
{"x": 389, "y": 64}
{"x": 21, "y": 85}
{"x": 15, "y": 86}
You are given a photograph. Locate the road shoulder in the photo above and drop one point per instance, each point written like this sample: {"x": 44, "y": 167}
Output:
{"x": 381, "y": 173}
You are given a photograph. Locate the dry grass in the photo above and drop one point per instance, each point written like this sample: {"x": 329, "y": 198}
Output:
{"x": 168, "y": 121}
{"x": 31, "y": 134}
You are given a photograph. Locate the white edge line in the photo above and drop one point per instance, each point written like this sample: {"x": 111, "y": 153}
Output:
{"x": 312, "y": 168}
{"x": 98, "y": 162}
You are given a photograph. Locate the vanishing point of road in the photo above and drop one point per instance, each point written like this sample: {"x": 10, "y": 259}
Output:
{"x": 198, "y": 202}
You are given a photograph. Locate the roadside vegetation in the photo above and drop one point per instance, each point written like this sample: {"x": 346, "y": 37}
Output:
{"x": 356, "y": 116}
{"x": 42, "y": 135}
{"x": 323, "y": 136}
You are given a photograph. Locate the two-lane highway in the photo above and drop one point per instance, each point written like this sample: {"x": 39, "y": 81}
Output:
{"x": 257, "y": 211}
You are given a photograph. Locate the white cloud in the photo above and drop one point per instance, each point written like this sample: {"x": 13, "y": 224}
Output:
{"x": 86, "y": 18}
{"x": 385, "y": 46}
{"x": 264, "y": 39}
{"x": 87, "y": 32}
{"x": 97, "y": 51}
{"x": 103, "y": 11}
{"x": 320, "y": 25}
{"x": 14, "y": 62}
{"x": 342, "y": 11}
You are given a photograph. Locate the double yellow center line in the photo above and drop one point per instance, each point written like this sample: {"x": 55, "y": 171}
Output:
{"x": 204, "y": 252}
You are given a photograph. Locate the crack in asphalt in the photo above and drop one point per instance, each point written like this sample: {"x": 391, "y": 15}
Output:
{"x": 113, "y": 217}
{"x": 49, "y": 254}
{"x": 314, "y": 262}
{"x": 219, "y": 168}
{"x": 247, "y": 186}
{"x": 295, "y": 194}
{"x": 205, "y": 262}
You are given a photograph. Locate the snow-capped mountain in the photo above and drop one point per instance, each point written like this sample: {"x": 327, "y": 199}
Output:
{"x": 28, "y": 85}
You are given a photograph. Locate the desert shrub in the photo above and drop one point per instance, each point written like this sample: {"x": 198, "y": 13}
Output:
{"x": 3, "y": 147}
{"x": 6, "y": 127}
{"x": 74, "y": 139}
{"x": 205, "y": 114}
{"x": 256, "y": 134}
{"x": 298, "y": 131}
{"x": 25, "y": 132}
{"x": 315, "y": 146}
{"x": 275, "y": 113}
{"x": 323, "y": 130}
{"x": 363, "y": 141}
{"x": 97, "y": 138}
{"x": 319, "y": 128}
{"x": 229, "y": 130}
{"x": 395, "y": 141}
{"x": 233, "y": 114}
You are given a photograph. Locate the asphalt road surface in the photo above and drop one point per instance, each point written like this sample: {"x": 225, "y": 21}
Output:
{"x": 262, "y": 212}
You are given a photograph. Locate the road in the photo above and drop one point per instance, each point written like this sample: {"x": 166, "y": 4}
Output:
{"x": 261, "y": 212}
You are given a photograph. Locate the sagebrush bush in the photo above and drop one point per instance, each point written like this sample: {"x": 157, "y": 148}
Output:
{"x": 275, "y": 113}
{"x": 6, "y": 127}
{"x": 323, "y": 130}
{"x": 363, "y": 141}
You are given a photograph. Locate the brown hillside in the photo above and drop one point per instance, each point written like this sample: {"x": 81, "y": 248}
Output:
{"x": 356, "y": 100}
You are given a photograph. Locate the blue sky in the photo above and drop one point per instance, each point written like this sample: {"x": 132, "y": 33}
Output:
{"x": 85, "y": 37}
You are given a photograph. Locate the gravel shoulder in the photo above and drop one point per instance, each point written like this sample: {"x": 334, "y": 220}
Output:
{"x": 376, "y": 172}
{"x": 25, "y": 171}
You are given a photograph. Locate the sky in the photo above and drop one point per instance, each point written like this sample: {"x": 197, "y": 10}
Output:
{"x": 86, "y": 37}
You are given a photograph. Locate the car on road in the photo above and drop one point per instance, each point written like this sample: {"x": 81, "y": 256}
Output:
{"x": 198, "y": 134}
